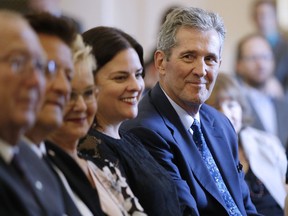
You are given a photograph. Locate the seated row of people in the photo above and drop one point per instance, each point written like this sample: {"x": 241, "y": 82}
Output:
{"x": 52, "y": 177}
{"x": 62, "y": 149}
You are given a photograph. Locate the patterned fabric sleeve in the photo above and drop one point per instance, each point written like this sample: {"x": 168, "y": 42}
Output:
{"x": 116, "y": 184}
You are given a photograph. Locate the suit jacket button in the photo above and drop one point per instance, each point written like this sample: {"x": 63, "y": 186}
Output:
{"x": 38, "y": 185}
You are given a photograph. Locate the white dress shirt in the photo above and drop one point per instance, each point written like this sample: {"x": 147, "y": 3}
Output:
{"x": 7, "y": 151}
{"x": 186, "y": 119}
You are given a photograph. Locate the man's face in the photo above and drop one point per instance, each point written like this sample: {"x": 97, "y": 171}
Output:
{"x": 22, "y": 80}
{"x": 58, "y": 86}
{"x": 188, "y": 76}
{"x": 256, "y": 64}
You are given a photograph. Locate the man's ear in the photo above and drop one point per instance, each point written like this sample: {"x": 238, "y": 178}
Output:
{"x": 159, "y": 61}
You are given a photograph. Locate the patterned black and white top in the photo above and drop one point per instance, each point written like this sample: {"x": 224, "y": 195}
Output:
{"x": 148, "y": 180}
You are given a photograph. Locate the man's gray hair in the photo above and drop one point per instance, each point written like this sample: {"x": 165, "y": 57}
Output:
{"x": 189, "y": 17}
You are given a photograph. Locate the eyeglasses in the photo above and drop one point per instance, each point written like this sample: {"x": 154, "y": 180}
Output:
{"x": 253, "y": 58}
{"x": 52, "y": 68}
{"x": 88, "y": 95}
{"x": 21, "y": 63}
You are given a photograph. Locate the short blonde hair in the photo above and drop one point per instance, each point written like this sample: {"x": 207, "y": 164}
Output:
{"x": 82, "y": 52}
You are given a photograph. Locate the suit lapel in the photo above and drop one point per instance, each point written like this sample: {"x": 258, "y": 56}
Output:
{"x": 185, "y": 142}
{"x": 214, "y": 134}
{"x": 257, "y": 123}
{"x": 23, "y": 198}
{"x": 44, "y": 183}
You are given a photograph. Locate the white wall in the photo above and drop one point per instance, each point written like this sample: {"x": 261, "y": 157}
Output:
{"x": 141, "y": 18}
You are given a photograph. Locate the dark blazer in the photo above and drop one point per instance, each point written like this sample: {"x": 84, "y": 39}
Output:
{"x": 162, "y": 132}
{"x": 36, "y": 193}
{"x": 150, "y": 183}
{"x": 46, "y": 187}
{"x": 75, "y": 177}
{"x": 15, "y": 198}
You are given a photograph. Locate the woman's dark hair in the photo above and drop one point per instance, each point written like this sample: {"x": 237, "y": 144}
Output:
{"x": 107, "y": 42}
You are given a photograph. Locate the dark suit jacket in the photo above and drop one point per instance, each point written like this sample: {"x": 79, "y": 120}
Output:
{"x": 15, "y": 198}
{"x": 162, "y": 132}
{"x": 75, "y": 177}
{"x": 39, "y": 193}
{"x": 46, "y": 186}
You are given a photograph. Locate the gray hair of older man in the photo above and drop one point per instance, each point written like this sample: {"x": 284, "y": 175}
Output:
{"x": 195, "y": 18}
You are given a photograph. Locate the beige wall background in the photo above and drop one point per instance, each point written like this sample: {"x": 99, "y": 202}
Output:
{"x": 141, "y": 18}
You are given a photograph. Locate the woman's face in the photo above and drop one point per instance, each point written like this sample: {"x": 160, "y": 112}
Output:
{"x": 232, "y": 109}
{"x": 80, "y": 110}
{"x": 120, "y": 86}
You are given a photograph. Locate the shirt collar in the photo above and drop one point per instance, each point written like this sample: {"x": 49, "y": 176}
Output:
{"x": 186, "y": 119}
{"x": 7, "y": 151}
{"x": 39, "y": 150}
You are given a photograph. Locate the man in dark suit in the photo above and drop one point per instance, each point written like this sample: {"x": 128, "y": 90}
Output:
{"x": 255, "y": 69}
{"x": 22, "y": 85}
{"x": 188, "y": 58}
{"x": 57, "y": 36}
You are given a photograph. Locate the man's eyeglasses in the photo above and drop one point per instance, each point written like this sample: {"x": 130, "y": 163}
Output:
{"x": 88, "y": 95}
{"x": 253, "y": 58}
{"x": 21, "y": 63}
{"x": 52, "y": 68}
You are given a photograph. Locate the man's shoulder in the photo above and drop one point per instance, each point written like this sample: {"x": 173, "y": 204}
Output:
{"x": 148, "y": 109}
{"x": 27, "y": 153}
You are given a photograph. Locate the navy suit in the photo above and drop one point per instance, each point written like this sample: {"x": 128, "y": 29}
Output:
{"x": 162, "y": 132}
{"x": 41, "y": 195}
{"x": 15, "y": 198}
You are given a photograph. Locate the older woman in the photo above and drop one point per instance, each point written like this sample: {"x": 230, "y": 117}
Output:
{"x": 81, "y": 177}
{"x": 119, "y": 77}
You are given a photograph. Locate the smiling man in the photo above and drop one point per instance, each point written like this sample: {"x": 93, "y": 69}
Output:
{"x": 56, "y": 37}
{"x": 196, "y": 144}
